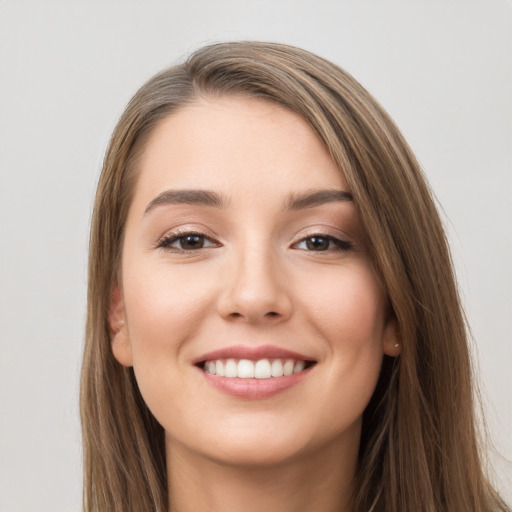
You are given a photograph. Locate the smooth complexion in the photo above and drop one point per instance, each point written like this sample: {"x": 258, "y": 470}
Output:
{"x": 242, "y": 237}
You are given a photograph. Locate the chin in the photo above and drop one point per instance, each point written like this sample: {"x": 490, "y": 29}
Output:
{"x": 261, "y": 454}
{"x": 264, "y": 444}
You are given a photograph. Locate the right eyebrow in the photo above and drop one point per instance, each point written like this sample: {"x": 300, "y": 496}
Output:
{"x": 187, "y": 196}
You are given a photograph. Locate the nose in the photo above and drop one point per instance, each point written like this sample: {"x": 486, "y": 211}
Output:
{"x": 255, "y": 290}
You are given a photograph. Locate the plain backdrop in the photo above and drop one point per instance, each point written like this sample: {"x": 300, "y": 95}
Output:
{"x": 443, "y": 69}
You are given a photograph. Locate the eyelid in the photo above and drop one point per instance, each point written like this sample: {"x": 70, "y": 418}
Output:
{"x": 165, "y": 241}
{"x": 184, "y": 229}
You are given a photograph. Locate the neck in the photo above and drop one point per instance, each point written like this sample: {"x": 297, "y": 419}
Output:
{"x": 318, "y": 482}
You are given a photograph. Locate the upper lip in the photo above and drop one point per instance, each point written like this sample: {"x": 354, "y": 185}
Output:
{"x": 253, "y": 353}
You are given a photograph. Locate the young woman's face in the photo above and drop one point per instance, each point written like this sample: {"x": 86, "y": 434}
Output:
{"x": 253, "y": 320}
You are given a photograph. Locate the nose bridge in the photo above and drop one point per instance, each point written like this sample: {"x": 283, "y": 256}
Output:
{"x": 255, "y": 289}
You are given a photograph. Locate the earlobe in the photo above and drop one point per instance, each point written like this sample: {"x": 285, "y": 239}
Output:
{"x": 391, "y": 340}
{"x": 119, "y": 339}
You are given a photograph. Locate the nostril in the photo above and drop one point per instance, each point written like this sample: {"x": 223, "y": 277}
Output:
{"x": 272, "y": 313}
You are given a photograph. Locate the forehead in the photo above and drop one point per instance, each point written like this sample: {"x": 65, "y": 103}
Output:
{"x": 242, "y": 147}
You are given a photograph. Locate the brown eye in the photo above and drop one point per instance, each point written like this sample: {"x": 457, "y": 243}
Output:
{"x": 317, "y": 243}
{"x": 186, "y": 242}
{"x": 323, "y": 243}
{"x": 191, "y": 242}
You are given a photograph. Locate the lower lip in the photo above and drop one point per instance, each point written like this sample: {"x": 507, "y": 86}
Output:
{"x": 254, "y": 389}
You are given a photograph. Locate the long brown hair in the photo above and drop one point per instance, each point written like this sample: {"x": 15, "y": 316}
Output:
{"x": 419, "y": 449}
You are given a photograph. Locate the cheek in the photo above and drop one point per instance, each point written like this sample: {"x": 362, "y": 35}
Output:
{"x": 348, "y": 307}
{"x": 164, "y": 310}
{"x": 347, "y": 310}
{"x": 163, "y": 307}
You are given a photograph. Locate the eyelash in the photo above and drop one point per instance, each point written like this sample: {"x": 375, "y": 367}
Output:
{"x": 167, "y": 241}
{"x": 340, "y": 245}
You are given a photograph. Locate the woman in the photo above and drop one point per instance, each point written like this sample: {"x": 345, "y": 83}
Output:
{"x": 273, "y": 321}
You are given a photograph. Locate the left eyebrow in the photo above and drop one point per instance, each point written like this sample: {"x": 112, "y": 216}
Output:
{"x": 317, "y": 198}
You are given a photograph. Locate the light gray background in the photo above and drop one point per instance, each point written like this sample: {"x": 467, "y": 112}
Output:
{"x": 443, "y": 69}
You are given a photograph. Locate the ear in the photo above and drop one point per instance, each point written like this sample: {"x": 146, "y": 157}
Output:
{"x": 119, "y": 339}
{"x": 391, "y": 343}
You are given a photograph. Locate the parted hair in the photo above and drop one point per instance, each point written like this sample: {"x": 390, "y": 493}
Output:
{"x": 420, "y": 447}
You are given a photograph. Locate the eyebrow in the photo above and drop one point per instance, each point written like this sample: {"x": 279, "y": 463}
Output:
{"x": 211, "y": 199}
{"x": 186, "y": 196}
{"x": 311, "y": 199}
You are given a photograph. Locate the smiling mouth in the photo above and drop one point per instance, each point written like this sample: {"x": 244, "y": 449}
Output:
{"x": 259, "y": 369}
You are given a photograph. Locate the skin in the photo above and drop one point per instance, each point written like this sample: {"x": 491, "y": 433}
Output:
{"x": 255, "y": 282}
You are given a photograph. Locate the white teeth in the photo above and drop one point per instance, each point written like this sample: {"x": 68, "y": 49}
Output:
{"x": 231, "y": 368}
{"x": 247, "y": 369}
{"x": 262, "y": 369}
{"x": 299, "y": 366}
{"x": 277, "y": 368}
{"x": 288, "y": 367}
